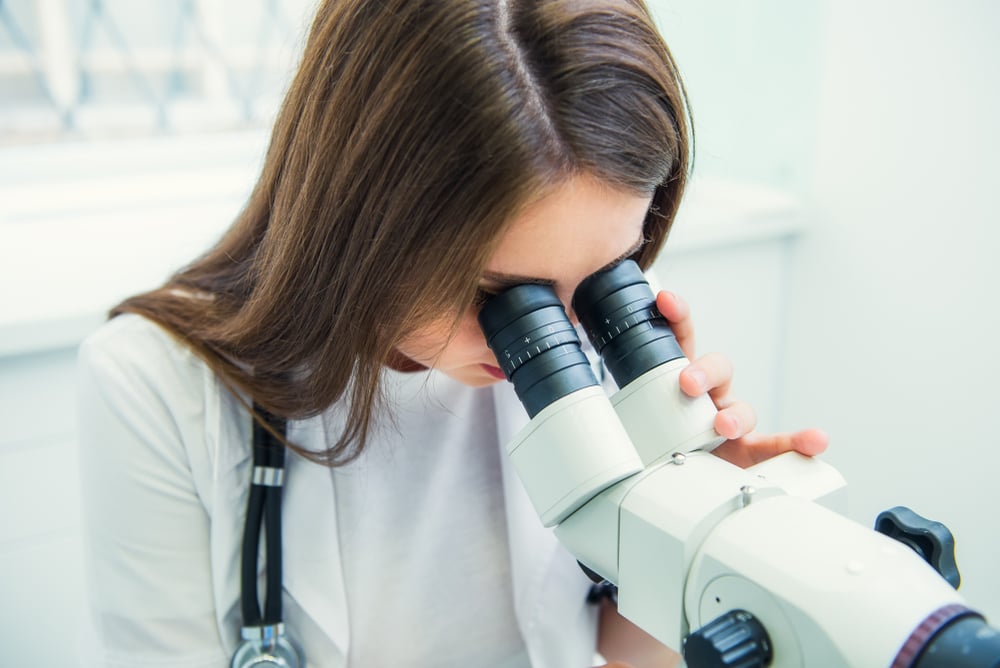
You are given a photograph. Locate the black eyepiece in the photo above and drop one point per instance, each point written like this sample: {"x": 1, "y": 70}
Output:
{"x": 529, "y": 333}
{"x": 618, "y": 311}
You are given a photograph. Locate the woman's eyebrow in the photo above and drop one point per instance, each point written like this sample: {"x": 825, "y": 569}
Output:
{"x": 640, "y": 242}
{"x": 503, "y": 280}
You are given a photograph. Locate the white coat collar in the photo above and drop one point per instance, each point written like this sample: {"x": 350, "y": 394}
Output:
{"x": 313, "y": 573}
{"x": 315, "y": 607}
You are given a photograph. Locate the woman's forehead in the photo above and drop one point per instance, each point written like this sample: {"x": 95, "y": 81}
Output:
{"x": 580, "y": 227}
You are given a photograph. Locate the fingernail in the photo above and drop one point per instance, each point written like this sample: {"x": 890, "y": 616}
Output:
{"x": 699, "y": 377}
{"x": 733, "y": 426}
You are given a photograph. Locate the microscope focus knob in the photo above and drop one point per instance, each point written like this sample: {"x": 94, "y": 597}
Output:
{"x": 734, "y": 640}
{"x": 929, "y": 539}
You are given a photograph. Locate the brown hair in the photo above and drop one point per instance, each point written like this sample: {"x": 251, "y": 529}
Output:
{"x": 412, "y": 134}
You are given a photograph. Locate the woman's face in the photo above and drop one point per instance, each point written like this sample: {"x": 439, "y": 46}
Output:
{"x": 579, "y": 228}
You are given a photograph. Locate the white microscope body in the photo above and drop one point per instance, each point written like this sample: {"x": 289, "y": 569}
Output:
{"x": 634, "y": 493}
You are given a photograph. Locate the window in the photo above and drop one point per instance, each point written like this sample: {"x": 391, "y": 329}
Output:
{"x": 96, "y": 68}
{"x": 131, "y": 132}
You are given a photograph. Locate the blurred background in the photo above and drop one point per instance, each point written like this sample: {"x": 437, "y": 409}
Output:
{"x": 839, "y": 241}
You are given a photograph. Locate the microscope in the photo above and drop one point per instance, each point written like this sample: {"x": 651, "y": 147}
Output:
{"x": 734, "y": 567}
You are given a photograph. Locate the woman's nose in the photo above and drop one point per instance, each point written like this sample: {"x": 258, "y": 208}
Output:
{"x": 567, "y": 302}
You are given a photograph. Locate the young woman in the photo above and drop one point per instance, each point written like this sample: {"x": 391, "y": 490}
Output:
{"x": 428, "y": 154}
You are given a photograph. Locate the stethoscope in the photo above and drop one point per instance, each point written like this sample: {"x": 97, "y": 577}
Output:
{"x": 264, "y": 643}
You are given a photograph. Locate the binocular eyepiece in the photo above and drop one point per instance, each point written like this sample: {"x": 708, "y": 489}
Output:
{"x": 538, "y": 348}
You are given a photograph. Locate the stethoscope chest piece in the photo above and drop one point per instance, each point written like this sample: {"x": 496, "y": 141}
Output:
{"x": 265, "y": 647}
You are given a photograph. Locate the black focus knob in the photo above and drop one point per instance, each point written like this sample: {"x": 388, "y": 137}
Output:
{"x": 931, "y": 540}
{"x": 734, "y": 640}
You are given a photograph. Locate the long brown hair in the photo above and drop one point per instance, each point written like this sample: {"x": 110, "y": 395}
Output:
{"x": 412, "y": 134}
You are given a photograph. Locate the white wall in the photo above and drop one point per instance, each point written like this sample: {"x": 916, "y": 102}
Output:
{"x": 751, "y": 72}
{"x": 892, "y": 340}
{"x": 883, "y": 117}
{"x": 40, "y": 570}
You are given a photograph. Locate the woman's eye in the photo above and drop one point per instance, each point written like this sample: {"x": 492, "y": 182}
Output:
{"x": 482, "y": 296}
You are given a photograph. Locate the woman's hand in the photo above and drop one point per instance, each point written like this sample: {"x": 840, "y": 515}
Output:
{"x": 713, "y": 373}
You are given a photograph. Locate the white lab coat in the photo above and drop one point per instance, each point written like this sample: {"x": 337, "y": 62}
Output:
{"x": 138, "y": 383}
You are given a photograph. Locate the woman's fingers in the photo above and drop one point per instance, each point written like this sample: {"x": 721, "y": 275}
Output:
{"x": 736, "y": 420}
{"x": 712, "y": 373}
{"x": 678, "y": 314}
{"x": 754, "y": 448}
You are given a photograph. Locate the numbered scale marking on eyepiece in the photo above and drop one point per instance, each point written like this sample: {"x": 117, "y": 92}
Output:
{"x": 603, "y": 337}
{"x": 517, "y": 358}
{"x": 618, "y": 311}
{"x": 535, "y": 344}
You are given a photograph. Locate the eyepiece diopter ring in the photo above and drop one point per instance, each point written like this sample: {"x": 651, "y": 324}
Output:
{"x": 535, "y": 344}
{"x": 618, "y": 311}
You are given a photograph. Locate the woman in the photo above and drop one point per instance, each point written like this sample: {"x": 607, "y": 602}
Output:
{"x": 427, "y": 154}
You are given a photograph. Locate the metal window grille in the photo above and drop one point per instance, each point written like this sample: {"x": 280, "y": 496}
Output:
{"x": 82, "y": 68}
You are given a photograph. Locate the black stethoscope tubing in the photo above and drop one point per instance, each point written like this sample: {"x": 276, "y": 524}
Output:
{"x": 264, "y": 642}
{"x": 263, "y": 509}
